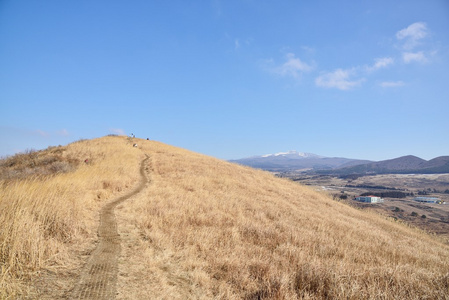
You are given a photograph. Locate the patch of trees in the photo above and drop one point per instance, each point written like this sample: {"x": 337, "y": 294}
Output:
{"x": 341, "y": 196}
{"x": 429, "y": 191}
{"x": 364, "y": 186}
{"x": 350, "y": 176}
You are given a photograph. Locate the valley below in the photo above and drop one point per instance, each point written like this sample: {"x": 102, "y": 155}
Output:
{"x": 398, "y": 191}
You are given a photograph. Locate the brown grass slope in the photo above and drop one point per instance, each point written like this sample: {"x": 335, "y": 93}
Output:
{"x": 205, "y": 228}
{"x": 212, "y": 229}
{"x": 49, "y": 203}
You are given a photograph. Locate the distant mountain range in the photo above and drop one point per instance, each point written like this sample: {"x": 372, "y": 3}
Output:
{"x": 297, "y": 161}
{"x": 292, "y": 161}
{"x": 402, "y": 165}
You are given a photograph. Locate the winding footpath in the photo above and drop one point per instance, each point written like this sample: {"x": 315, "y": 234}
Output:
{"x": 99, "y": 275}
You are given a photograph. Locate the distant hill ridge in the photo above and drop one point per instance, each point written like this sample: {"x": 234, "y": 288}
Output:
{"x": 301, "y": 161}
{"x": 400, "y": 165}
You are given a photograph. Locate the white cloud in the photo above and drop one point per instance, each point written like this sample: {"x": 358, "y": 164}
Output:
{"x": 41, "y": 133}
{"x": 409, "y": 57}
{"x": 239, "y": 42}
{"x": 381, "y": 63}
{"x": 339, "y": 79}
{"x": 236, "y": 43}
{"x": 293, "y": 67}
{"x": 46, "y": 134}
{"x": 412, "y": 35}
{"x": 308, "y": 49}
{"x": 117, "y": 131}
{"x": 388, "y": 84}
{"x": 415, "y": 31}
{"x": 63, "y": 132}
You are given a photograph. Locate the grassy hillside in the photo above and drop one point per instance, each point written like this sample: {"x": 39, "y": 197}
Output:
{"x": 206, "y": 228}
{"x": 49, "y": 202}
{"x": 213, "y": 229}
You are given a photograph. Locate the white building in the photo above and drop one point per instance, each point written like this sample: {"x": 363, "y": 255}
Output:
{"x": 370, "y": 199}
{"x": 427, "y": 199}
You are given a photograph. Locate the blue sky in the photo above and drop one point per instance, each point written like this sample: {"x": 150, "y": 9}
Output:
{"x": 230, "y": 79}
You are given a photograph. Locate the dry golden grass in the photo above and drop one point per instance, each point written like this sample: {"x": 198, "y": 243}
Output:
{"x": 37, "y": 163}
{"x": 209, "y": 229}
{"x": 43, "y": 217}
{"x": 206, "y": 229}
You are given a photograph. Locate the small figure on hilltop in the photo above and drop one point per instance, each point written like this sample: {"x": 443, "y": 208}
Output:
{"x": 148, "y": 139}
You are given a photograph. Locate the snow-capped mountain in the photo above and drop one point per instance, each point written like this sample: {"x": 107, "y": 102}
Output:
{"x": 293, "y": 154}
{"x": 294, "y": 160}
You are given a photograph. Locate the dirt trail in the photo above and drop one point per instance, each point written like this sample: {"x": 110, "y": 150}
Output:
{"x": 99, "y": 275}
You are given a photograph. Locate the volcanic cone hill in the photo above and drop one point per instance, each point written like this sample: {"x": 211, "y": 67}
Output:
{"x": 203, "y": 228}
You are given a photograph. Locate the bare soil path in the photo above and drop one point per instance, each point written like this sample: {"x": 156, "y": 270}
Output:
{"x": 99, "y": 275}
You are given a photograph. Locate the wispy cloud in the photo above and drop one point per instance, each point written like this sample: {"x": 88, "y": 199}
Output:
{"x": 62, "y": 132}
{"x": 293, "y": 67}
{"x": 392, "y": 84}
{"x": 380, "y": 63}
{"x": 236, "y": 43}
{"x": 41, "y": 133}
{"x": 409, "y": 57}
{"x": 339, "y": 79}
{"x": 217, "y": 8}
{"x": 412, "y": 35}
{"x": 308, "y": 49}
{"x": 411, "y": 38}
{"x": 118, "y": 131}
{"x": 240, "y": 43}
{"x": 410, "y": 41}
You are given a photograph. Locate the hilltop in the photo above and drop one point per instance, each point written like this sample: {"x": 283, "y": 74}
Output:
{"x": 202, "y": 228}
